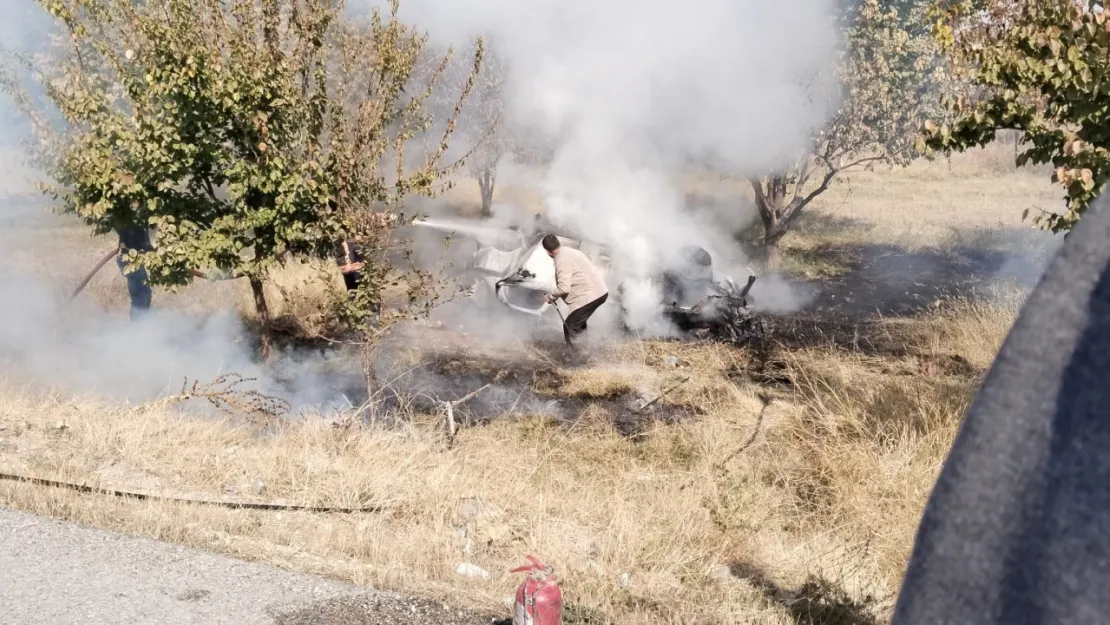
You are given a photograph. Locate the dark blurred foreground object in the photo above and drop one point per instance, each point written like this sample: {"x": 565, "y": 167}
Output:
{"x": 1017, "y": 530}
{"x": 138, "y": 284}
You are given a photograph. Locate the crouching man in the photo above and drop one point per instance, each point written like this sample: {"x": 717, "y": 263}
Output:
{"x": 351, "y": 262}
{"x": 579, "y": 283}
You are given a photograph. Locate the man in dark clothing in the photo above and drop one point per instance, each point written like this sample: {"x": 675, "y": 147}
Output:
{"x": 350, "y": 261}
{"x": 1017, "y": 530}
{"x": 138, "y": 287}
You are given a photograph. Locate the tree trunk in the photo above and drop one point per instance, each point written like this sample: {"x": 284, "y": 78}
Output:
{"x": 772, "y": 236}
{"x": 485, "y": 185}
{"x": 770, "y": 210}
{"x": 778, "y": 214}
{"x": 771, "y": 252}
{"x": 260, "y": 305}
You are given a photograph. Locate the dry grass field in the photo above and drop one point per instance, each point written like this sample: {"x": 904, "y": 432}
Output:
{"x": 784, "y": 491}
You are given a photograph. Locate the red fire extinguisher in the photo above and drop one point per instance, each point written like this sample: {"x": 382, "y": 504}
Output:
{"x": 538, "y": 600}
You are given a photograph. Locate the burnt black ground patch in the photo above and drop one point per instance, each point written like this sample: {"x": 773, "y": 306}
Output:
{"x": 887, "y": 280}
{"x": 521, "y": 387}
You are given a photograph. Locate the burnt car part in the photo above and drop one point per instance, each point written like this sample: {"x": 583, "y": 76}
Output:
{"x": 692, "y": 299}
{"x": 690, "y": 277}
{"x": 725, "y": 314}
{"x": 520, "y": 276}
{"x": 521, "y": 300}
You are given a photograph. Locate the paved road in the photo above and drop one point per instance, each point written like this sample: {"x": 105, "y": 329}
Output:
{"x": 58, "y": 573}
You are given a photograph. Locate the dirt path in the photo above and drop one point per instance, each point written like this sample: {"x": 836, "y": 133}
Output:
{"x": 66, "y": 574}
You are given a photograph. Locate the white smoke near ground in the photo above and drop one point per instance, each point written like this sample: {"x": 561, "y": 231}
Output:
{"x": 632, "y": 91}
{"x": 86, "y": 350}
{"x": 49, "y": 341}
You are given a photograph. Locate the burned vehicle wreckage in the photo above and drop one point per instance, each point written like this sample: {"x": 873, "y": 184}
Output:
{"x": 517, "y": 272}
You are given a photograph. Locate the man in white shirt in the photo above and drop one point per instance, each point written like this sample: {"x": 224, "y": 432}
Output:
{"x": 579, "y": 283}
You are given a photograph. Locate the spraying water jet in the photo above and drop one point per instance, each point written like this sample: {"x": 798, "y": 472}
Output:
{"x": 501, "y": 238}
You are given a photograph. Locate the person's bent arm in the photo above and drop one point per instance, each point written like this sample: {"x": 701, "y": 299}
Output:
{"x": 562, "y": 281}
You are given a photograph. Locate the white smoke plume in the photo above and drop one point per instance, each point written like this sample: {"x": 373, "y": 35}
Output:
{"x": 632, "y": 91}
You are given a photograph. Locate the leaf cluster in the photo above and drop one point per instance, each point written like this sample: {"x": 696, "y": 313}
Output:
{"x": 1040, "y": 67}
{"x": 887, "y": 75}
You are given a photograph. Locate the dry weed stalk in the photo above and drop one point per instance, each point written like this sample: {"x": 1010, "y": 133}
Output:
{"x": 224, "y": 393}
{"x": 651, "y": 402}
{"x": 449, "y": 410}
{"x": 765, "y": 400}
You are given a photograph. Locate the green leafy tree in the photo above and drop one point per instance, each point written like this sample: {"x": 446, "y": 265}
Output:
{"x": 1041, "y": 68}
{"x": 887, "y": 73}
{"x": 244, "y": 132}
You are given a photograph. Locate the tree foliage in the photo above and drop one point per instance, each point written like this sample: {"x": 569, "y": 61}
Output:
{"x": 244, "y": 132}
{"x": 888, "y": 74}
{"x": 1039, "y": 67}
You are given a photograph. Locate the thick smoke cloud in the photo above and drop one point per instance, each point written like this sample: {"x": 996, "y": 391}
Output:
{"x": 633, "y": 91}
{"x": 731, "y": 79}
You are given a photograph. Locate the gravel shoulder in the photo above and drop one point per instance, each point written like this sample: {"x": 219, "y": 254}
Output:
{"x": 66, "y": 574}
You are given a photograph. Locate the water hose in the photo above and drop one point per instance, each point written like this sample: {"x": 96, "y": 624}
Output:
{"x": 555, "y": 305}
{"x": 235, "y": 505}
{"x": 109, "y": 256}
{"x": 99, "y": 265}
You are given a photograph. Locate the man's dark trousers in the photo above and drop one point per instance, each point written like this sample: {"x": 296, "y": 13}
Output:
{"x": 575, "y": 325}
{"x": 138, "y": 284}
